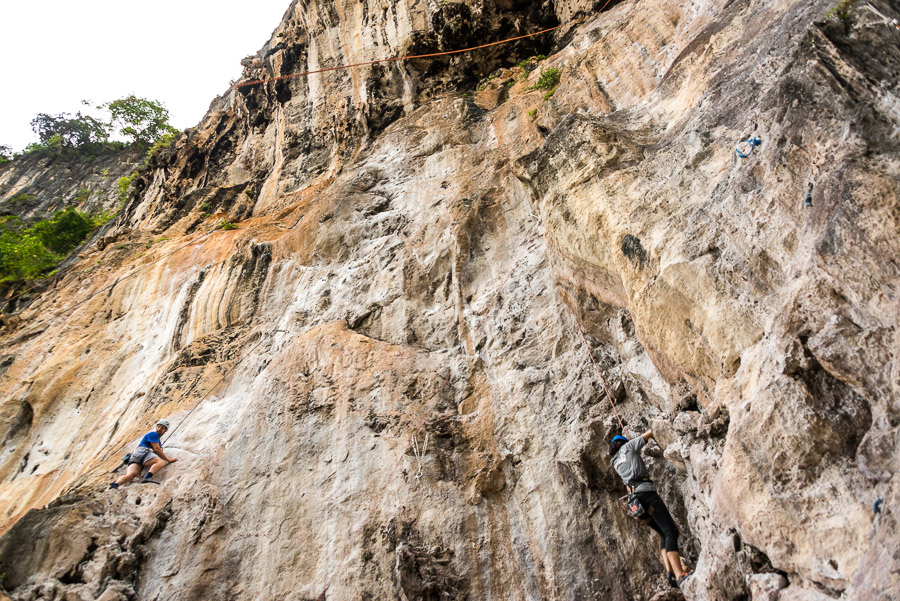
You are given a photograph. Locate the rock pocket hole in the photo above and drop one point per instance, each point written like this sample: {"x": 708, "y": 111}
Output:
{"x": 634, "y": 250}
{"x": 833, "y": 564}
{"x": 137, "y": 501}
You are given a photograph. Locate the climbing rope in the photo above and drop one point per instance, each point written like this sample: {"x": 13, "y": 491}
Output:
{"x": 222, "y": 379}
{"x": 245, "y": 84}
{"x": 597, "y": 369}
{"x": 390, "y": 60}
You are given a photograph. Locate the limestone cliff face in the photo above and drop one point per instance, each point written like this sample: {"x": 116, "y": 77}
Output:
{"x": 33, "y": 185}
{"x": 406, "y": 409}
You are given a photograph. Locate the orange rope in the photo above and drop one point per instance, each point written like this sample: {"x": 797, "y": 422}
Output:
{"x": 396, "y": 58}
{"x": 597, "y": 368}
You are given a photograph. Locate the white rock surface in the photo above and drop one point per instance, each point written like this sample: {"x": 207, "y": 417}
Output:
{"x": 378, "y": 382}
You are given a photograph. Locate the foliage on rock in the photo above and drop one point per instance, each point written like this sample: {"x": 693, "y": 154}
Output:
{"x": 140, "y": 120}
{"x": 29, "y": 251}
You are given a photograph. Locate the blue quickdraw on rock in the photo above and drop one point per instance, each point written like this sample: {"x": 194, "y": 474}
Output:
{"x": 745, "y": 149}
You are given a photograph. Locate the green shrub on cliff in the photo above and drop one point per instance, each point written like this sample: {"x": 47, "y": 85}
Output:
{"x": 841, "y": 10}
{"x": 124, "y": 185}
{"x": 6, "y": 154}
{"x": 30, "y": 251}
{"x": 164, "y": 142}
{"x": 529, "y": 64}
{"x": 23, "y": 257}
{"x": 548, "y": 79}
{"x": 64, "y": 231}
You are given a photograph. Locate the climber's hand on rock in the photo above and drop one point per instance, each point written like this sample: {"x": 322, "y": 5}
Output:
{"x": 172, "y": 460}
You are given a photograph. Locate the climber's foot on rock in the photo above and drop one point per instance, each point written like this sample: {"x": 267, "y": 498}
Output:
{"x": 684, "y": 577}
{"x": 670, "y": 578}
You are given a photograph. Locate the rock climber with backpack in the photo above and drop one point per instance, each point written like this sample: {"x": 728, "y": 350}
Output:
{"x": 148, "y": 454}
{"x": 626, "y": 459}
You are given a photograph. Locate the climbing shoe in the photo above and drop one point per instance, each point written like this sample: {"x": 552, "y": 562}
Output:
{"x": 684, "y": 577}
{"x": 670, "y": 578}
{"x": 113, "y": 485}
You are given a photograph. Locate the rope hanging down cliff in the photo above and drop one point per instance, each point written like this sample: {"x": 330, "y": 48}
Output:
{"x": 597, "y": 368}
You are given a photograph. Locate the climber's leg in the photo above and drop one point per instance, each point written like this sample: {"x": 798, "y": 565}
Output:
{"x": 155, "y": 464}
{"x": 133, "y": 470}
{"x": 662, "y": 541}
{"x": 664, "y": 523}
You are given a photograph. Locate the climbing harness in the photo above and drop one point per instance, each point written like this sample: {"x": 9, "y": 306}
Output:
{"x": 124, "y": 462}
{"x": 630, "y": 503}
{"x": 745, "y": 149}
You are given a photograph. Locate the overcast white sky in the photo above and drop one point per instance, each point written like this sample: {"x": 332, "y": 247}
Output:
{"x": 183, "y": 53}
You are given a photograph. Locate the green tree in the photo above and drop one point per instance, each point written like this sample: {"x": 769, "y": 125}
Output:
{"x": 142, "y": 120}
{"x": 6, "y": 154}
{"x": 66, "y": 131}
{"x": 64, "y": 231}
{"x": 23, "y": 257}
{"x": 31, "y": 251}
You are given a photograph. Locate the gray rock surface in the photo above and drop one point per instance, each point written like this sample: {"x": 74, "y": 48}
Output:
{"x": 378, "y": 381}
{"x": 35, "y": 186}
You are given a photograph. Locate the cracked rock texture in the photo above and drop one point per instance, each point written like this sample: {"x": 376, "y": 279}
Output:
{"x": 33, "y": 185}
{"x": 378, "y": 381}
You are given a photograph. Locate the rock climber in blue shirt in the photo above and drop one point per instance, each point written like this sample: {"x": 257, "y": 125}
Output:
{"x": 148, "y": 454}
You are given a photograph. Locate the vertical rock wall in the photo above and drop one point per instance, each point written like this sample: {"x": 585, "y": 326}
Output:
{"x": 378, "y": 382}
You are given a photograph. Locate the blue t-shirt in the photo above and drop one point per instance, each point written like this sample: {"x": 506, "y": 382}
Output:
{"x": 148, "y": 438}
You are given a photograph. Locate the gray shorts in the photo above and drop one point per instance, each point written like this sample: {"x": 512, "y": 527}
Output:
{"x": 142, "y": 455}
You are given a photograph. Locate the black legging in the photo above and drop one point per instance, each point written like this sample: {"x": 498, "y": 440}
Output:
{"x": 660, "y": 520}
